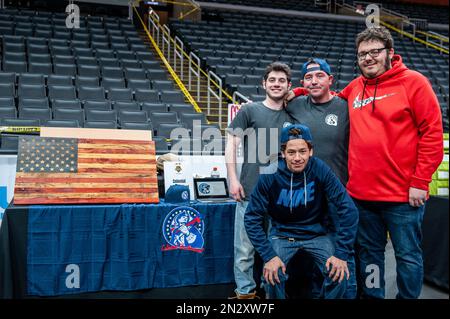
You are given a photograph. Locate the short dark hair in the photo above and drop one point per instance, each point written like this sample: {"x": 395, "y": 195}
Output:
{"x": 295, "y": 131}
{"x": 381, "y": 34}
{"x": 278, "y": 67}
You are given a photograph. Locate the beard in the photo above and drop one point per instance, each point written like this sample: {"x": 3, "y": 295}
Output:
{"x": 387, "y": 65}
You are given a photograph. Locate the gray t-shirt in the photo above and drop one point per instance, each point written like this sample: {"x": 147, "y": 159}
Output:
{"x": 329, "y": 125}
{"x": 259, "y": 127}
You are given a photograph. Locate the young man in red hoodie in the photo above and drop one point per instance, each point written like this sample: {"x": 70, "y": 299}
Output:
{"x": 396, "y": 144}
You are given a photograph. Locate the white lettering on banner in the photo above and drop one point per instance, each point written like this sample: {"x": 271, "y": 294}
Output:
{"x": 73, "y": 279}
{"x": 373, "y": 279}
{"x": 233, "y": 109}
{"x": 73, "y": 19}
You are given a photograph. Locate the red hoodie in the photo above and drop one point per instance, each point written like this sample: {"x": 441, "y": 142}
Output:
{"x": 396, "y": 136}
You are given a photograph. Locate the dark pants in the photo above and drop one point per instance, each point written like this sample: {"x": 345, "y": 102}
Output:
{"x": 320, "y": 249}
{"x": 404, "y": 224}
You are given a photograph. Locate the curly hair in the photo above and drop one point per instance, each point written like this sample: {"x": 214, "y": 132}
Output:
{"x": 381, "y": 34}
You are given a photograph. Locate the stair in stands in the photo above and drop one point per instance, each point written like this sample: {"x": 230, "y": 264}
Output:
{"x": 213, "y": 118}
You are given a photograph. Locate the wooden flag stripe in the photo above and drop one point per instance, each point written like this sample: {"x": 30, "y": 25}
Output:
{"x": 118, "y": 156}
{"x": 125, "y": 176}
{"x": 73, "y": 190}
{"x": 114, "y": 151}
{"x": 112, "y": 170}
{"x": 116, "y": 160}
{"x": 115, "y": 146}
{"x": 75, "y": 200}
{"x": 92, "y": 195}
{"x": 70, "y": 184}
{"x": 86, "y": 180}
{"x": 120, "y": 142}
{"x": 116, "y": 166}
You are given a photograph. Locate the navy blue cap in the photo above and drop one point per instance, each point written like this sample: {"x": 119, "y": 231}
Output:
{"x": 305, "y": 133}
{"x": 323, "y": 66}
{"x": 177, "y": 194}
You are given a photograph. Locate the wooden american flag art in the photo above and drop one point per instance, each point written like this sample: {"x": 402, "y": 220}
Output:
{"x": 53, "y": 170}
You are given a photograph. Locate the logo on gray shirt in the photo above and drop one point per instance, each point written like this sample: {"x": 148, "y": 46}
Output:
{"x": 331, "y": 119}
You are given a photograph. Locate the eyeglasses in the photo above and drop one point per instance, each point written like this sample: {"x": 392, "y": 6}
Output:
{"x": 373, "y": 53}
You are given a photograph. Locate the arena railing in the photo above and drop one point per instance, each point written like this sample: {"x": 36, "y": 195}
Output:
{"x": 167, "y": 64}
{"x": 399, "y": 19}
{"x": 175, "y": 54}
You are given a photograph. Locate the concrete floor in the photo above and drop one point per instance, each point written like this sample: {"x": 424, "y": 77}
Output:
{"x": 428, "y": 292}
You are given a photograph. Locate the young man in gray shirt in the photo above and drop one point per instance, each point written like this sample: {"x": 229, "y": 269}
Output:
{"x": 258, "y": 126}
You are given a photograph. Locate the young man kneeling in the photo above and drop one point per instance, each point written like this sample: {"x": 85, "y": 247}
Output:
{"x": 295, "y": 197}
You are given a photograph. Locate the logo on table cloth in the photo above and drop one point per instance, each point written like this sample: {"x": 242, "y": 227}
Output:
{"x": 183, "y": 229}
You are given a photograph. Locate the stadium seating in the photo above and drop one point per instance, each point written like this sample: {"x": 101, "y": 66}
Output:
{"x": 433, "y": 13}
{"x": 263, "y": 40}
{"x": 300, "y": 5}
{"x": 101, "y": 75}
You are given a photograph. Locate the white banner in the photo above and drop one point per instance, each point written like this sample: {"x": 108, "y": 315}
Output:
{"x": 233, "y": 109}
{"x": 7, "y": 176}
{"x": 187, "y": 167}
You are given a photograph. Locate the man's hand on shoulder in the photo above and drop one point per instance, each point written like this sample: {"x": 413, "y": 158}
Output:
{"x": 289, "y": 96}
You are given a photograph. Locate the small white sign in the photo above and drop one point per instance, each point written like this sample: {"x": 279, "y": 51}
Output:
{"x": 187, "y": 167}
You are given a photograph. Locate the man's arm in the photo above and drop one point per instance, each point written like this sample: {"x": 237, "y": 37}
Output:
{"x": 428, "y": 118}
{"x": 254, "y": 218}
{"x": 236, "y": 189}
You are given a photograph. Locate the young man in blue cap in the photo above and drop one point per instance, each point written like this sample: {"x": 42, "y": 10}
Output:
{"x": 295, "y": 197}
{"x": 326, "y": 115}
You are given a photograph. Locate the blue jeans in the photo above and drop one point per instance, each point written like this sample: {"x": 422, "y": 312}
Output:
{"x": 244, "y": 253}
{"x": 351, "y": 291}
{"x": 320, "y": 248}
{"x": 404, "y": 224}
{"x": 333, "y": 228}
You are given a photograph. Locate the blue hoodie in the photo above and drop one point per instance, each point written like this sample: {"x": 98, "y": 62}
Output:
{"x": 297, "y": 203}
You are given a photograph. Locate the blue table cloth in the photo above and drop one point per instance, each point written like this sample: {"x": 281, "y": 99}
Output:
{"x": 75, "y": 249}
